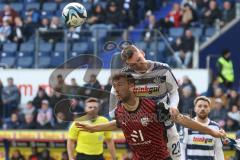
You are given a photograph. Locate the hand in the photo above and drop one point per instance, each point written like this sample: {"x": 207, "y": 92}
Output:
{"x": 174, "y": 112}
{"x": 219, "y": 134}
{"x": 84, "y": 127}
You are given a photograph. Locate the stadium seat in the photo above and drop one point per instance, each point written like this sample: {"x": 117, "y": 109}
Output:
{"x": 57, "y": 59}
{"x": 80, "y": 47}
{"x": 49, "y": 7}
{"x": 45, "y": 47}
{"x": 8, "y": 54}
{"x": 158, "y": 47}
{"x": 9, "y": 61}
{"x": 17, "y": 7}
{"x": 62, "y": 5}
{"x": 44, "y": 54}
{"x": 116, "y": 61}
{"x": 99, "y": 30}
{"x": 103, "y": 4}
{"x": 73, "y": 54}
{"x": 25, "y": 62}
{"x": 176, "y": 32}
{"x": 9, "y": 47}
{"x": 44, "y": 62}
{"x": 27, "y": 47}
{"x": 1, "y": 6}
{"x": 25, "y": 54}
{"x": 60, "y": 47}
{"x": 197, "y": 32}
{"x": 209, "y": 32}
{"x": 142, "y": 45}
{"x": 33, "y": 6}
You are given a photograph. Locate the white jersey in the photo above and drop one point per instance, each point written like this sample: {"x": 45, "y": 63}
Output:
{"x": 198, "y": 146}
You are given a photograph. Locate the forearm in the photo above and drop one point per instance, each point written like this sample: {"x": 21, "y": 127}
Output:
{"x": 70, "y": 149}
{"x": 110, "y": 126}
{"x": 194, "y": 125}
{"x": 111, "y": 148}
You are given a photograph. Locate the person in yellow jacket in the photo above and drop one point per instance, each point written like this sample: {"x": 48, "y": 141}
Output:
{"x": 89, "y": 146}
{"x": 225, "y": 69}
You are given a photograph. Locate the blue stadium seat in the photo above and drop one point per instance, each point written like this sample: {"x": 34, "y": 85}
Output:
{"x": 17, "y": 7}
{"x": 44, "y": 62}
{"x": 116, "y": 61}
{"x": 27, "y": 47}
{"x": 25, "y": 62}
{"x": 49, "y": 7}
{"x": 25, "y": 54}
{"x": 45, "y": 47}
{"x": 103, "y": 4}
{"x": 80, "y": 47}
{"x": 99, "y": 30}
{"x": 60, "y": 47}
{"x": 33, "y": 6}
{"x": 209, "y": 32}
{"x": 9, "y": 61}
{"x": 142, "y": 45}
{"x": 176, "y": 32}
{"x": 73, "y": 54}
{"x": 62, "y": 5}
{"x": 161, "y": 46}
{"x": 7, "y": 54}
{"x": 44, "y": 54}
{"x": 9, "y": 47}
{"x": 197, "y": 32}
{"x": 1, "y": 6}
{"x": 57, "y": 59}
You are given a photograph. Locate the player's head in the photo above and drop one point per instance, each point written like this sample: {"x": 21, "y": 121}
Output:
{"x": 202, "y": 107}
{"x": 92, "y": 106}
{"x": 123, "y": 84}
{"x": 133, "y": 57}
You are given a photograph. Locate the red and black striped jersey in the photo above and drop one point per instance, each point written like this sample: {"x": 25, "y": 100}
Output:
{"x": 145, "y": 135}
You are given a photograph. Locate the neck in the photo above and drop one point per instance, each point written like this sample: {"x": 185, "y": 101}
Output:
{"x": 205, "y": 120}
{"x": 145, "y": 67}
{"x": 131, "y": 104}
{"x": 90, "y": 117}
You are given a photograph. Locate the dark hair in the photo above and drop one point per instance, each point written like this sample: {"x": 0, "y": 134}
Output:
{"x": 120, "y": 75}
{"x": 204, "y": 98}
{"x": 225, "y": 52}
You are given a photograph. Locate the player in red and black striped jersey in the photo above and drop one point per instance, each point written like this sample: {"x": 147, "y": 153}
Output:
{"x": 141, "y": 122}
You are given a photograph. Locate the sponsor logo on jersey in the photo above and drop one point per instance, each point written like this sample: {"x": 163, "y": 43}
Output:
{"x": 202, "y": 140}
{"x": 145, "y": 121}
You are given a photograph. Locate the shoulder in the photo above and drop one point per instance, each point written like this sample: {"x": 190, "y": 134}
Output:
{"x": 213, "y": 123}
{"x": 126, "y": 70}
{"x": 160, "y": 65}
{"x": 102, "y": 119}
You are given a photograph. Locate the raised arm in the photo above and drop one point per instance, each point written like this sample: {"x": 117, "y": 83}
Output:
{"x": 109, "y": 126}
{"x": 194, "y": 125}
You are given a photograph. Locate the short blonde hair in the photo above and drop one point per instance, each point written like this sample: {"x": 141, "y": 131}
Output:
{"x": 204, "y": 98}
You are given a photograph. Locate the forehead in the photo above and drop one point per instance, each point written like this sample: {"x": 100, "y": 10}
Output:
{"x": 202, "y": 102}
{"x": 120, "y": 80}
{"x": 91, "y": 104}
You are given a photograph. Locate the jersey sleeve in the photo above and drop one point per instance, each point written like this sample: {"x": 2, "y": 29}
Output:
{"x": 112, "y": 103}
{"x": 183, "y": 142}
{"x": 107, "y": 134}
{"x": 171, "y": 81}
{"x": 219, "y": 155}
{"x": 73, "y": 132}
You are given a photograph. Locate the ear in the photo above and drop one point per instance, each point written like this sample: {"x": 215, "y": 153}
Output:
{"x": 142, "y": 53}
{"x": 131, "y": 86}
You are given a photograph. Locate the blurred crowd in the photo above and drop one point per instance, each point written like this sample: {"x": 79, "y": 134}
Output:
{"x": 36, "y": 155}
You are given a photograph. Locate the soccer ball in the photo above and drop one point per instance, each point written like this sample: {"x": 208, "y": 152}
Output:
{"x": 74, "y": 14}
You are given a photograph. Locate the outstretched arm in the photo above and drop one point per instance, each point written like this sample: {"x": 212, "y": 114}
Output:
{"x": 194, "y": 125}
{"x": 109, "y": 126}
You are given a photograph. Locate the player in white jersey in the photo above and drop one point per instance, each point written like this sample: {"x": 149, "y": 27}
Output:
{"x": 198, "y": 146}
{"x": 153, "y": 80}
